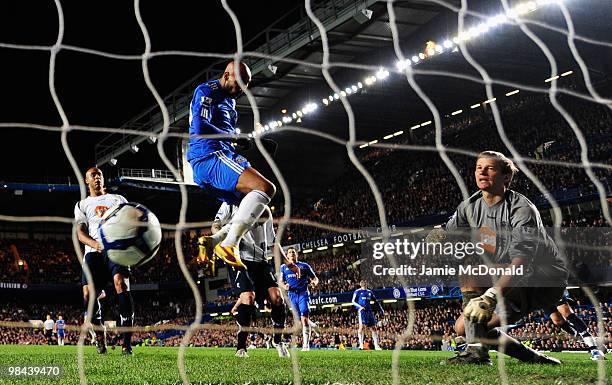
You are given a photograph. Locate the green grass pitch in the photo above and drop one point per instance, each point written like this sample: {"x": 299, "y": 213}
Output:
{"x": 158, "y": 366}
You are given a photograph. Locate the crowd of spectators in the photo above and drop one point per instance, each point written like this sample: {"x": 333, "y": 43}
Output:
{"x": 55, "y": 261}
{"x": 339, "y": 269}
{"x": 146, "y": 313}
{"x": 417, "y": 184}
{"x": 433, "y": 327}
{"x": 413, "y": 184}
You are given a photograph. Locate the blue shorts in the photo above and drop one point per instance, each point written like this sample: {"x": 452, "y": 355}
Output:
{"x": 218, "y": 174}
{"x": 102, "y": 270}
{"x": 299, "y": 301}
{"x": 366, "y": 318}
{"x": 60, "y": 333}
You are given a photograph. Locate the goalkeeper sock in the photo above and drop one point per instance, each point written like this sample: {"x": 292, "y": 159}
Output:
{"x": 243, "y": 318}
{"x": 250, "y": 209}
{"x": 360, "y": 335}
{"x": 474, "y": 333}
{"x": 375, "y": 339}
{"x": 580, "y": 328}
{"x": 512, "y": 347}
{"x": 126, "y": 315}
{"x": 279, "y": 315}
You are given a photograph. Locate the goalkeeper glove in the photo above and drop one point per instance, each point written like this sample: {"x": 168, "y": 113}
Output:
{"x": 480, "y": 309}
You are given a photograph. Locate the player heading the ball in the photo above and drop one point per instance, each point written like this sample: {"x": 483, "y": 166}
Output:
{"x": 217, "y": 168}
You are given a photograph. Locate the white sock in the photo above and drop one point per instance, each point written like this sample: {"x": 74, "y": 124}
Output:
{"x": 305, "y": 336}
{"x": 375, "y": 339}
{"x": 360, "y": 334}
{"x": 220, "y": 235}
{"x": 250, "y": 209}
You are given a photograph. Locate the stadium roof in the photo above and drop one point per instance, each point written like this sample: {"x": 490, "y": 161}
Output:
{"x": 359, "y": 33}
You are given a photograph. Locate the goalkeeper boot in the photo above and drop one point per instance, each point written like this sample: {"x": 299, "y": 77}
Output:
{"x": 469, "y": 358}
{"x": 546, "y": 360}
{"x": 205, "y": 244}
{"x": 230, "y": 255}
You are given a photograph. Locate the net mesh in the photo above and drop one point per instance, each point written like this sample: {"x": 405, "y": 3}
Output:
{"x": 448, "y": 154}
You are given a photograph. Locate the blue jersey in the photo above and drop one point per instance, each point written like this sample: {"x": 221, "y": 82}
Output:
{"x": 211, "y": 112}
{"x": 362, "y": 298}
{"x": 59, "y": 324}
{"x": 291, "y": 278}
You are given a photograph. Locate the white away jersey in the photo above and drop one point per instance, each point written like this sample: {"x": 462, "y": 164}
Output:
{"x": 90, "y": 211}
{"x": 49, "y": 324}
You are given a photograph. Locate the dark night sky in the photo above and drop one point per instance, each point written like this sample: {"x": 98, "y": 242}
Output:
{"x": 99, "y": 91}
{"x": 95, "y": 90}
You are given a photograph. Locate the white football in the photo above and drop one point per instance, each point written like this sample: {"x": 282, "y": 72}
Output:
{"x": 130, "y": 234}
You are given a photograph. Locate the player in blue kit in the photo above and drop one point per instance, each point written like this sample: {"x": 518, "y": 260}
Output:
{"x": 365, "y": 314}
{"x": 59, "y": 330}
{"x": 218, "y": 169}
{"x": 296, "y": 276}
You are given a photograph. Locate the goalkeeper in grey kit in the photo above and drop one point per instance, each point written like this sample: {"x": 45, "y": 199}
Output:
{"x": 511, "y": 231}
